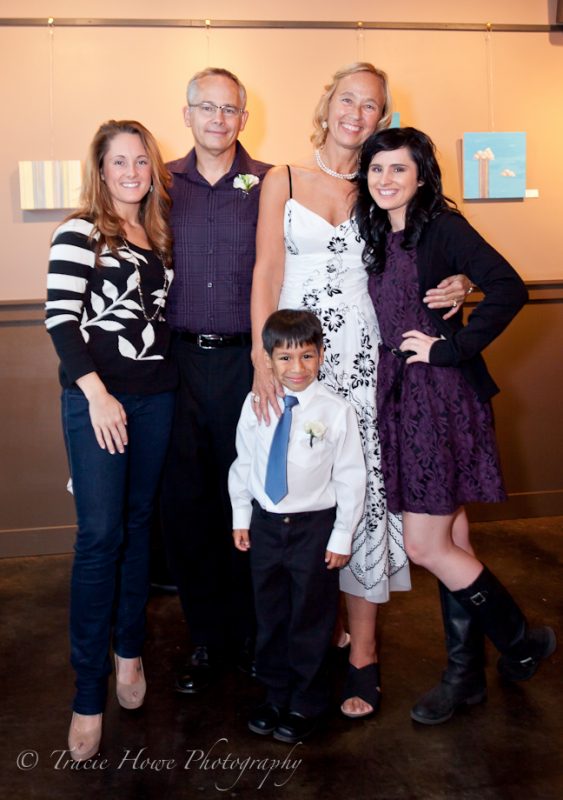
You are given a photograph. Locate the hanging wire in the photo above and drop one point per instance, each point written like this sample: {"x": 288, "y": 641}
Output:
{"x": 490, "y": 75}
{"x": 208, "y": 40}
{"x": 51, "y": 28}
{"x": 360, "y": 42}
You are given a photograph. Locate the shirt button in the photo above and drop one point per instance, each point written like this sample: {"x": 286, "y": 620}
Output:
{"x": 209, "y": 285}
{"x": 287, "y": 520}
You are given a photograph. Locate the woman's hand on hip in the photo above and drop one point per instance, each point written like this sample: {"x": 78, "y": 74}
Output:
{"x": 265, "y": 390}
{"x": 419, "y": 345}
{"x": 450, "y": 293}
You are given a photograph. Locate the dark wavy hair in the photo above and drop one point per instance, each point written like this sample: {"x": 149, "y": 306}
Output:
{"x": 427, "y": 203}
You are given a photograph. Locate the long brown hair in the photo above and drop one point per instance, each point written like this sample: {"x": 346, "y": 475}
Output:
{"x": 96, "y": 203}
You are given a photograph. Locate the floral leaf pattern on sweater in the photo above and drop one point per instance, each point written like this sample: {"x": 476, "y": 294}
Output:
{"x": 94, "y": 313}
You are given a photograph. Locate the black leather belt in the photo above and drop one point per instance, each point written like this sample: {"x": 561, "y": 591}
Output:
{"x": 213, "y": 341}
{"x": 402, "y": 354}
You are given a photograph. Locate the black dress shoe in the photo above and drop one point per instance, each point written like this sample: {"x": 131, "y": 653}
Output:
{"x": 197, "y": 674}
{"x": 295, "y": 727}
{"x": 264, "y": 719}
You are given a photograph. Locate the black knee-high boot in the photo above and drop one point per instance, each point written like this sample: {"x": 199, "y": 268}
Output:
{"x": 463, "y": 681}
{"x": 503, "y": 622}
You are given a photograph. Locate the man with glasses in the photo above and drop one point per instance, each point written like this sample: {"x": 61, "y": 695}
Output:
{"x": 215, "y": 195}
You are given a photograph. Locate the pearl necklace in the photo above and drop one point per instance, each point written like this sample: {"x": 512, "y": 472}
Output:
{"x": 165, "y": 287}
{"x": 343, "y": 176}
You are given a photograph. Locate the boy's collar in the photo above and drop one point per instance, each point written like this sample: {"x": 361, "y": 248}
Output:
{"x": 306, "y": 395}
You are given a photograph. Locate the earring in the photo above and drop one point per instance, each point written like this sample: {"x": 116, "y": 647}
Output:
{"x": 151, "y": 188}
{"x": 324, "y": 124}
{"x": 102, "y": 178}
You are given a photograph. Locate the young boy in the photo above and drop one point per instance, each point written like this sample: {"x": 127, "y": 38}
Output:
{"x": 297, "y": 491}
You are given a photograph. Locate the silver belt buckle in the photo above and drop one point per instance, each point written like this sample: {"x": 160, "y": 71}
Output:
{"x": 208, "y": 336}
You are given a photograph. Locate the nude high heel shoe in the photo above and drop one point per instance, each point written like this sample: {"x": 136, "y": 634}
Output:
{"x": 130, "y": 695}
{"x": 84, "y": 740}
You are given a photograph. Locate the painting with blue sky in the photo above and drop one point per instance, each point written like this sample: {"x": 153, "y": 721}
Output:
{"x": 494, "y": 165}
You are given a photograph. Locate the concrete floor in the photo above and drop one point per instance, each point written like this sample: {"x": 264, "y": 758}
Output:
{"x": 187, "y": 747}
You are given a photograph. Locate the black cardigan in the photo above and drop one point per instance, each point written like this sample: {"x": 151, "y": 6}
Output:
{"x": 448, "y": 246}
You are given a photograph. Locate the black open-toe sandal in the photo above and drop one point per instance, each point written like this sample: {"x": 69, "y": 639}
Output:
{"x": 362, "y": 683}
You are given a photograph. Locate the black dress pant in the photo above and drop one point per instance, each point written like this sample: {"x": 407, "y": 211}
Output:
{"x": 296, "y": 599}
{"x": 213, "y": 578}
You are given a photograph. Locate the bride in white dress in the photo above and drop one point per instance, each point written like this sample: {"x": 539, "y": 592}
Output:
{"x": 324, "y": 273}
{"x": 308, "y": 255}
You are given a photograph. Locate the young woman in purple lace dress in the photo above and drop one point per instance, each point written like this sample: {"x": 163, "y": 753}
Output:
{"x": 435, "y": 422}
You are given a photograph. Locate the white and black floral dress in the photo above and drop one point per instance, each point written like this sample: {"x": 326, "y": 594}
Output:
{"x": 324, "y": 273}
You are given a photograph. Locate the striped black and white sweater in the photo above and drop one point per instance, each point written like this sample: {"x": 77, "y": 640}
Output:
{"x": 95, "y": 318}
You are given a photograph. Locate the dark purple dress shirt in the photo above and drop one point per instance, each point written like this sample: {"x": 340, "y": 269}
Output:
{"x": 214, "y": 229}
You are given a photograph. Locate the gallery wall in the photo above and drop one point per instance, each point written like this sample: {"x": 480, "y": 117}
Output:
{"x": 58, "y": 84}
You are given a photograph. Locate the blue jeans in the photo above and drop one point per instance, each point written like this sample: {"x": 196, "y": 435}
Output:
{"x": 114, "y": 497}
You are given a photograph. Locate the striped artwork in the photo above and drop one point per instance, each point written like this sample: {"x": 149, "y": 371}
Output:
{"x": 49, "y": 184}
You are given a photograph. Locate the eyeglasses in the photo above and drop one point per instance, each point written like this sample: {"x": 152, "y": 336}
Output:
{"x": 210, "y": 109}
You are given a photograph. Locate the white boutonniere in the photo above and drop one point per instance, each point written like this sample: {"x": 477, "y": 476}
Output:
{"x": 246, "y": 182}
{"x": 315, "y": 429}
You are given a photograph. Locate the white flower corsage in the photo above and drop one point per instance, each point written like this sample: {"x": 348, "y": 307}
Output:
{"x": 315, "y": 429}
{"x": 246, "y": 182}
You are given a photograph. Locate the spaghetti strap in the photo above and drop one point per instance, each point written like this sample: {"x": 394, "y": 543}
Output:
{"x": 290, "y": 184}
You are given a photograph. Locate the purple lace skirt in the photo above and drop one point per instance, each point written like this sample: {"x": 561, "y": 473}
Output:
{"x": 437, "y": 439}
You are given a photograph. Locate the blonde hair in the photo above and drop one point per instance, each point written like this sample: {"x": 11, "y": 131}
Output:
{"x": 96, "y": 203}
{"x": 318, "y": 137}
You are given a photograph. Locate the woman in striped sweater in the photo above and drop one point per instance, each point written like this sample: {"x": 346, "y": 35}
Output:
{"x": 109, "y": 274}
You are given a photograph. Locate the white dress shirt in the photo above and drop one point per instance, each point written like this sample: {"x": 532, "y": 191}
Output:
{"x": 330, "y": 472}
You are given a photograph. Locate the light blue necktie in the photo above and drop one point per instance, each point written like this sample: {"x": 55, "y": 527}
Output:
{"x": 276, "y": 471}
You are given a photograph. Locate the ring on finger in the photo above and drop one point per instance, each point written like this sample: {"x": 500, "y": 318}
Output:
{"x": 454, "y": 304}
{"x": 255, "y": 398}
